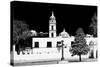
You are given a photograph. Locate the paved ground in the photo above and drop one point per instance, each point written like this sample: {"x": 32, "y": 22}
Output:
{"x": 53, "y": 62}
{"x": 83, "y": 60}
{"x": 37, "y": 63}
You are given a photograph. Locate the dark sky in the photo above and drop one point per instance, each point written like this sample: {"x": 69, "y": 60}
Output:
{"x": 68, "y": 16}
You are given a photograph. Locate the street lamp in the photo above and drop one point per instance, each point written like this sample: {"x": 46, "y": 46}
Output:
{"x": 62, "y": 58}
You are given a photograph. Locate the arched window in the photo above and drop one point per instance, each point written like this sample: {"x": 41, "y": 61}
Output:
{"x": 51, "y": 27}
{"x": 51, "y": 34}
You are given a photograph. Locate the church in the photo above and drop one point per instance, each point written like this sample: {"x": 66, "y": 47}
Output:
{"x": 50, "y": 48}
{"x": 53, "y": 40}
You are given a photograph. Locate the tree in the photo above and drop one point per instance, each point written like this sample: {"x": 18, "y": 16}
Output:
{"x": 18, "y": 28}
{"x": 26, "y": 34}
{"x": 79, "y": 46}
{"x": 93, "y": 26}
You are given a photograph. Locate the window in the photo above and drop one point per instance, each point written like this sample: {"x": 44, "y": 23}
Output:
{"x": 36, "y": 44}
{"x": 52, "y": 27}
{"x": 49, "y": 44}
{"x": 58, "y": 43}
{"x": 51, "y": 34}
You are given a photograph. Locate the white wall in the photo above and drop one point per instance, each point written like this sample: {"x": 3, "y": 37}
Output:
{"x": 45, "y": 54}
{"x": 41, "y": 54}
{"x": 43, "y": 41}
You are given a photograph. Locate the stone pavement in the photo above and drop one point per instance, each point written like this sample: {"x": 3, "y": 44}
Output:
{"x": 52, "y": 62}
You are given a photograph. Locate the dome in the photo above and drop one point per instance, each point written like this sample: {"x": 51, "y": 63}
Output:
{"x": 34, "y": 33}
{"x": 64, "y": 34}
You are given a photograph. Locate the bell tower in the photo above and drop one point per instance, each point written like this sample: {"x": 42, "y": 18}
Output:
{"x": 52, "y": 26}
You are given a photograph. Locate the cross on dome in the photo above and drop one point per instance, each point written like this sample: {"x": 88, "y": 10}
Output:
{"x": 64, "y": 30}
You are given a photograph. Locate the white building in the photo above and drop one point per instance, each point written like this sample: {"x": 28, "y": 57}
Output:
{"x": 46, "y": 48}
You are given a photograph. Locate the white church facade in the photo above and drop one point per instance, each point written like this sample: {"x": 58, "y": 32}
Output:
{"x": 49, "y": 48}
{"x": 53, "y": 40}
